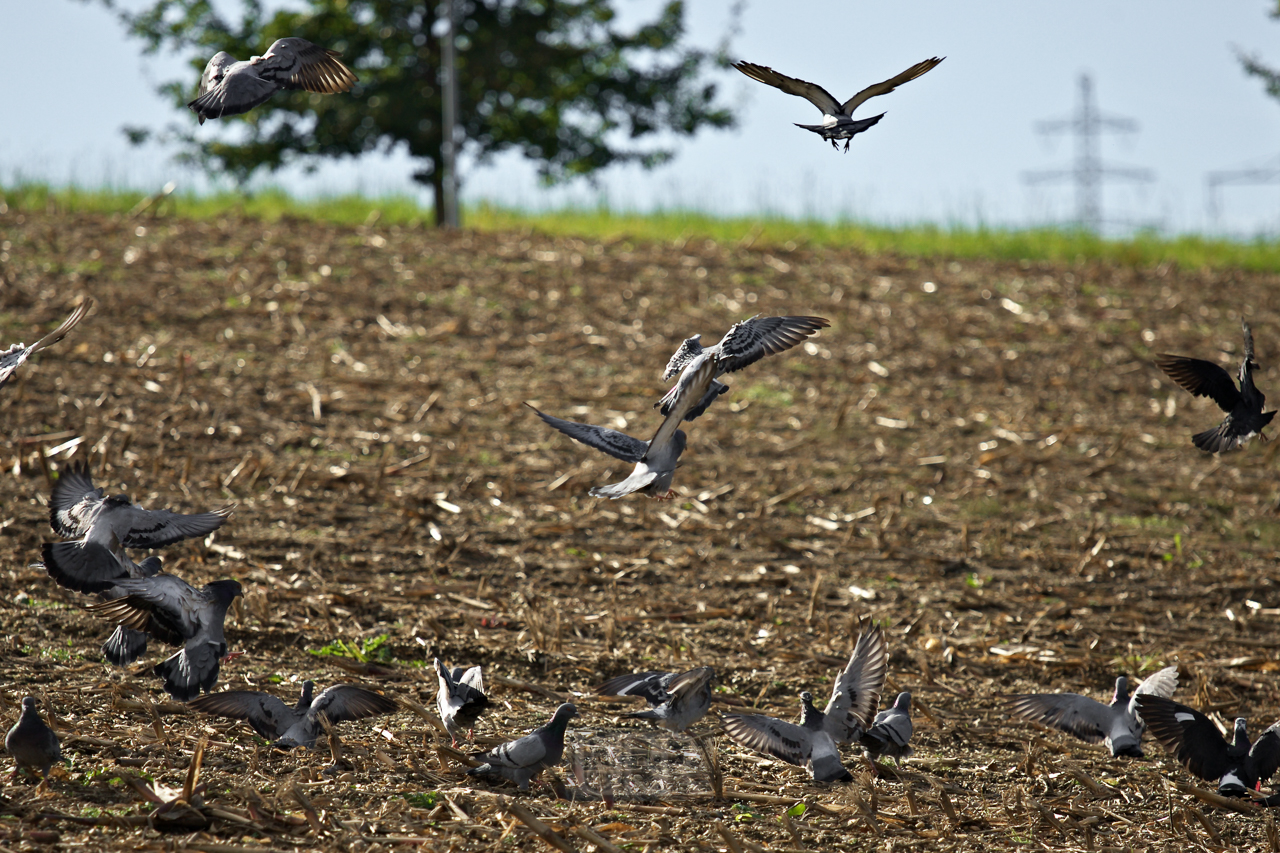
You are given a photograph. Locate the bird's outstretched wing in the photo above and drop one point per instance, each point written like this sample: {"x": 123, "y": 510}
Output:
{"x": 812, "y": 92}
{"x": 296, "y": 63}
{"x": 1248, "y": 340}
{"x": 268, "y": 716}
{"x": 73, "y": 500}
{"x": 771, "y": 736}
{"x": 751, "y": 340}
{"x": 652, "y": 686}
{"x": 215, "y": 71}
{"x": 165, "y": 606}
{"x": 15, "y": 355}
{"x": 887, "y": 86}
{"x": 856, "y": 691}
{"x": 1202, "y": 378}
{"x": 1160, "y": 683}
{"x": 1190, "y": 736}
{"x": 155, "y": 528}
{"x": 619, "y": 445}
{"x": 344, "y": 702}
{"x": 1085, "y": 718}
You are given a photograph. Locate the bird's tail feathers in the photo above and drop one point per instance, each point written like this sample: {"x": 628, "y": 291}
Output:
{"x": 124, "y": 646}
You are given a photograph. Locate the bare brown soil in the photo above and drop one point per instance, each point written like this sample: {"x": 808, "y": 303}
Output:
{"x": 980, "y": 455}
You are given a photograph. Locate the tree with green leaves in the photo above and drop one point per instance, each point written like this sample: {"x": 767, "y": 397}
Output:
{"x": 1254, "y": 66}
{"x": 553, "y": 79}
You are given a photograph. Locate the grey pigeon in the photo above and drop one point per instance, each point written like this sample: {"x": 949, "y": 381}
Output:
{"x": 806, "y": 745}
{"x": 891, "y": 732}
{"x": 171, "y": 610}
{"x": 300, "y": 725}
{"x": 15, "y": 356}
{"x": 520, "y": 760}
{"x": 1119, "y": 724}
{"x": 460, "y": 698}
{"x": 125, "y": 645}
{"x": 1243, "y": 405}
{"x": 744, "y": 344}
{"x": 837, "y": 118}
{"x": 100, "y": 526}
{"x": 856, "y": 691}
{"x": 31, "y": 742}
{"x": 1196, "y": 743}
{"x": 229, "y": 88}
{"x": 656, "y": 459}
{"x": 678, "y": 700}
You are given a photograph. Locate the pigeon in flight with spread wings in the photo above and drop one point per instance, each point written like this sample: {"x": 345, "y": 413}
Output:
{"x": 300, "y": 725}
{"x": 173, "y": 611}
{"x": 656, "y": 459}
{"x": 856, "y": 691}
{"x": 744, "y": 344}
{"x": 806, "y": 745}
{"x": 677, "y": 700}
{"x": 837, "y": 118}
{"x": 1195, "y": 741}
{"x": 1118, "y": 725}
{"x": 1243, "y": 405}
{"x": 16, "y": 356}
{"x": 229, "y": 87}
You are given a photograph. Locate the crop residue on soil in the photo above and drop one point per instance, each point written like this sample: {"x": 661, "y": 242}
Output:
{"x": 980, "y": 454}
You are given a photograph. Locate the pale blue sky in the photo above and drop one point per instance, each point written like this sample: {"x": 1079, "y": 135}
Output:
{"x": 952, "y": 146}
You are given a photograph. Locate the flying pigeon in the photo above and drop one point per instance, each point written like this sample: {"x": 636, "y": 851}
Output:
{"x": 806, "y": 745}
{"x": 125, "y": 645}
{"x": 1119, "y": 724}
{"x": 300, "y": 725}
{"x": 1196, "y": 742}
{"x": 100, "y": 526}
{"x": 678, "y": 700}
{"x": 171, "y": 610}
{"x": 856, "y": 691}
{"x": 229, "y": 87}
{"x": 460, "y": 698}
{"x": 837, "y": 119}
{"x": 1243, "y": 405}
{"x": 17, "y": 355}
{"x": 32, "y": 743}
{"x": 744, "y": 344}
{"x": 656, "y": 459}
{"x": 521, "y": 760}
{"x": 890, "y": 734}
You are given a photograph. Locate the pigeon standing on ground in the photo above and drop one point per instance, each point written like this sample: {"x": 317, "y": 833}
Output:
{"x": 837, "y": 118}
{"x": 229, "y": 87}
{"x": 1243, "y": 405}
{"x": 678, "y": 700}
{"x": 1118, "y": 725}
{"x": 300, "y": 725}
{"x": 171, "y": 610}
{"x": 743, "y": 345}
{"x": 521, "y": 760}
{"x": 891, "y": 733}
{"x": 99, "y": 527}
{"x": 460, "y": 698}
{"x": 806, "y": 745}
{"x": 1198, "y": 745}
{"x": 32, "y": 743}
{"x": 656, "y": 459}
{"x": 17, "y": 355}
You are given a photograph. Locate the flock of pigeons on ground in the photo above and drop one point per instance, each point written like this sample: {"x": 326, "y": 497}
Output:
{"x": 144, "y": 602}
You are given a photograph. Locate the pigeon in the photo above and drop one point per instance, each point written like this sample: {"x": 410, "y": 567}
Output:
{"x": 678, "y": 700}
{"x": 1196, "y": 742}
{"x": 837, "y": 118}
{"x": 856, "y": 692}
{"x": 656, "y": 459}
{"x": 125, "y": 645}
{"x": 300, "y": 725}
{"x": 890, "y": 734}
{"x": 521, "y": 760}
{"x": 744, "y": 344}
{"x": 460, "y": 698}
{"x": 171, "y": 610}
{"x": 1118, "y": 724}
{"x": 229, "y": 87}
{"x": 32, "y": 743}
{"x": 806, "y": 745}
{"x": 1243, "y": 405}
{"x": 15, "y": 356}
